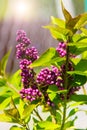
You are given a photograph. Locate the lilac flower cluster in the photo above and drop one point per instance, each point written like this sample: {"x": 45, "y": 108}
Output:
{"x": 48, "y": 77}
{"x": 30, "y": 94}
{"x": 27, "y": 73}
{"x": 27, "y": 55}
{"x": 23, "y": 51}
{"x": 61, "y": 49}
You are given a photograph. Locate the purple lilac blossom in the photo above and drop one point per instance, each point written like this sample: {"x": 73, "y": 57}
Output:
{"x": 30, "y": 94}
{"x": 61, "y": 49}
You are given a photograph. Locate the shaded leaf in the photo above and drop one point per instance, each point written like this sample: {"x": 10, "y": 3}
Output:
{"x": 72, "y": 112}
{"x": 78, "y": 80}
{"x": 2, "y": 81}
{"x": 79, "y": 98}
{"x": 82, "y": 65}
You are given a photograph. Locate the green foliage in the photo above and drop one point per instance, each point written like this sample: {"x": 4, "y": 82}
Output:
{"x": 16, "y": 128}
{"x": 45, "y": 125}
{"x": 21, "y": 111}
{"x": 3, "y": 63}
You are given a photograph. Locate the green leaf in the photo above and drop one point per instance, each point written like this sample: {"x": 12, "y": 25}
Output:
{"x": 78, "y": 73}
{"x": 5, "y": 118}
{"x": 21, "y": 107}
{"x": 58, "y": 22}
{"x": 78, "y": 80}
{"x": 79, "y": 98}
{"x": 5, "y": 103}
{"x": 58, "y": 117}
{"x": 45, "y": 58}
{"x": 81, "y": 66}
{"x": 53, "y": 93}
{"x": 27, "y": 111}
{"x": 67, "y": 15}
{"x": 78, "y": 37}
{"x": 84, "y": 55}
{"x": 15, "y": 79}
{"x": 72, "y": 112}
{"x": 77, "y": 48}
{"x": 58, "y": 33}
{"x": 4, "y": 62}
{"x": 72, "y": 22}
{"x": 75, "y": 61}
{"x": 16, "y": 128}
{"x": 84, "y": 30}
{"x": 46, "y": 125}
{"x": 82, "y": 21}
{"x": 2, "y": 81}
{"x": 13, "y": 111}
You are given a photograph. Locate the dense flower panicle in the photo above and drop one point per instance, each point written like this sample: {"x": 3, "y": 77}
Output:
{"x": 46, "y": 77}
{"x": 21, "y": 49}
{"x": 30, "y": 94}
{"x": 21, "y": 37}
{"x": 61, "y": 49}
{"x": 27, "y": 73}
{"x": 31, "y": 53}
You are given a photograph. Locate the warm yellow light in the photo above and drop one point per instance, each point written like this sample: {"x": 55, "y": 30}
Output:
{"x": 21, "y": 8}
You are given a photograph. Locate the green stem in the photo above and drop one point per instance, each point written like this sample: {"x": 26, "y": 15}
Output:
{"x": 66, "y": 87}
{"x": 38, "y": 115}
{"x": 84, "y": 90}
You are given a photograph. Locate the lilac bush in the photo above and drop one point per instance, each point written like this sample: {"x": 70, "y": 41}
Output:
{"x": 50, "y": 81}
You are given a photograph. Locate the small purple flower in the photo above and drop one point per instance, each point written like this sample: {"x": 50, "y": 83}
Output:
{"x": 30, "y": 94}
{"x": 27, "y": 73}
{"x": 31, "y": 53}
{"x": 21, "y": 37}
{"x": 61, "y": 49}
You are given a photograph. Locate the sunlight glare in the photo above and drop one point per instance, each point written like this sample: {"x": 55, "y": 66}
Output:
{"x": 23, "y": 9}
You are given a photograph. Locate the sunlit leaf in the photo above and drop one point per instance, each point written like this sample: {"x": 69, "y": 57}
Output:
{"x": 27, "y": 111}
{"x": 46, "y": 125}
{"x": 5, "y": 103}
{"x": 82, "y": 21}
{"x": 5, "y": 118}
{"x": 12, "y": 111}
{"x": 58, "y": 33}
{"x": 16, "y": 80}
{"x": 84, "y": 55}
{"x": 4, "y": 62}
{"x": 16, "y": 128}
{"x": 58, "y": 22}
{"x": 45, "y": 58}
{"x": 84, "y": 30}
